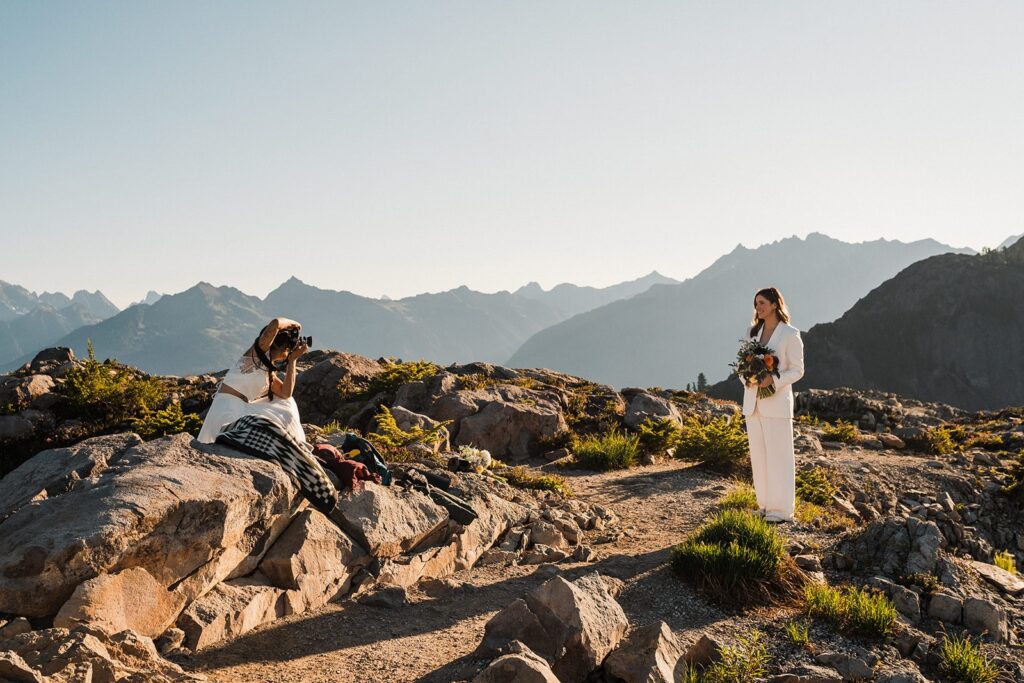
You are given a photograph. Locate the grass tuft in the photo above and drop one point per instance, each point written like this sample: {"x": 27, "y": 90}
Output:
{"x": 609, "y": 451}
{"x": 740, "y": 497}
{"x": 823, "y": 518}
{"x": 744, "y": 662}
{"x": 522, "y": 477}
{"x": 960, "y": 659}
{"x": 739, "y": 558}
{"x": 852, "y": 610}
{"x": 1006, "y": 560}
{"x": 798, "y": 633}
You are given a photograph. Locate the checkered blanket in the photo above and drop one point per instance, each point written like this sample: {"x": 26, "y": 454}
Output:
{"x": 264, "y": 438}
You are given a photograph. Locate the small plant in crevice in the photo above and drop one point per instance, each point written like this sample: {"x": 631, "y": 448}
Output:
{"x": 853, "y": 610}
{"x": 1006, "y": 560}
{"x": 522, "y": 477}
{"x": 814, "y": 485}
{"x": 841, "y": 431}
{"x": 798, "y": 633}
{"x": 745, "y": 661}
{"x": 960, "y": 659}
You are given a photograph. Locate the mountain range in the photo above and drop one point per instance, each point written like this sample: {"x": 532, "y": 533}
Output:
{"x": 671, "y": 333}
{"x": 205, "y": 328}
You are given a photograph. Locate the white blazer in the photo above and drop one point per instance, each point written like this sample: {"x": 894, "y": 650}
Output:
{"x": 787, "y": 345}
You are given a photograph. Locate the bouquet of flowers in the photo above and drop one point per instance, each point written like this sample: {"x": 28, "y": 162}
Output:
{"x": 754, "y": 362}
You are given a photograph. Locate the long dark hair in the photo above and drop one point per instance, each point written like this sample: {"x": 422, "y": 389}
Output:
{"x": 774, "y": 296}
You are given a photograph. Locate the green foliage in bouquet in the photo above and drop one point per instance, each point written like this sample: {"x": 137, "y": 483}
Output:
{"x": 719, "y": 443}
{"x": 814, "y": 486}
{"x": 110, "y": 393}
{"x": 852, "y": 610}
{"x": 657, "y": 436}
{"x": 738, "y": 558}
{"x": 842, "y": 431}
{"x": 170, "y": 420}
{"x": 612, "y": 450}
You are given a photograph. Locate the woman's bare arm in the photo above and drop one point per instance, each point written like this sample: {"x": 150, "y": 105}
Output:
{"x": 284, "y": 389}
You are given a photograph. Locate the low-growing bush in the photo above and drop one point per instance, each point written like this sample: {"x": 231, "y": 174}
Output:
{"x": 814, "y": 485}
{"x": 853, "y": 610}
{"x": 929, "y": 582}
{"x": 395, "y": 374}
{"x": 960, "y": 659}
{"x": 746, "y": 661}
{"x": 739, "y": 558}
{"x": 109, "y": 393}
{"x": 720, "y": 443}
{"x": 741, "y": 496}
{"x": 609, "y": 451}
{"x": 170, "y": 420}
{"x": 809, "y": 420}
{"x": 389, "y": 435}
{"x": 1006, "y": 560}
{"x": 842, "y": 431}
{"x": 657, "y": 436}
{"x": 939, "y": 440}
{"x": 522, "y": 477}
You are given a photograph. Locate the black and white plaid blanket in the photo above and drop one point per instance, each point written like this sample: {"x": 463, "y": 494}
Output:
{"x": 264, "y": 438}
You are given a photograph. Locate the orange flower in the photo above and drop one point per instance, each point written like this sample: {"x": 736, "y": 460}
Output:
{"x": 769, "y": 361}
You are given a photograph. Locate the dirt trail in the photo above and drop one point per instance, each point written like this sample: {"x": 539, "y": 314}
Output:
{"x": 431, "y": 638}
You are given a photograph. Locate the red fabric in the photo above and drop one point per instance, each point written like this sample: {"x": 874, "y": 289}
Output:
{"x": 349, "y": 472}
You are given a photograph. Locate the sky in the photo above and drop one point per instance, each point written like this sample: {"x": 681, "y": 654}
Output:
{"x": 402, "y": 147}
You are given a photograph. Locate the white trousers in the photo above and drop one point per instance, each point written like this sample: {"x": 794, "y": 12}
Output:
{"x": 773, "y": 463}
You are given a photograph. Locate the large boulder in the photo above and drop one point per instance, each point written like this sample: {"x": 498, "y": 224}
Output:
{"x": 649, "y": 655}
{"x": 20, "y": 391}
{"x": 231, "y": 609}
{"x": 315, "y": 558}
{"x": 191, "y": 515}
{"x": 512, "y": 426}
{"x": 388, "y": 521}
{"x": 572, "y": 625}
{"x": 318, "y": 389}
{"x": 127, "y": 600}
{"x": 643, "y": 406}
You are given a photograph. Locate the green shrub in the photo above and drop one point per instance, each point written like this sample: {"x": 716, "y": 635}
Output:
{"x": 744, "y": 662}
{"x": 741, "y": 496}
{"x": 110, "y": 393}
{"x": 719, "y": 443}
{"x": 610, "y": 451}
{"x": 522, "y": 477}
{"x": 852, "y": 610}
{"x": 961, "y": 660}
{"x": 814, "y": 486}
{"x": 332, "y": 427}
{"x": 841, "y": 431}
{"x": 809, "y": 420}
{"x": 657, "y": 436}
{"x": 690, "y": 674}
{"x": 1006, "y": 560}
{"x": 170, "y": 420}
{"x": 739, "y": 558}
{"x": 939, "y": 440}
{"x": 798, "y": 633}
{"x": 389, "y": 435}
{"x": 395, "y": 374}
{"x": 560, "y": 439}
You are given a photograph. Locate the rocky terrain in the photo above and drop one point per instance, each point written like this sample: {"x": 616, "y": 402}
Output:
{"x": 166, "y": 560}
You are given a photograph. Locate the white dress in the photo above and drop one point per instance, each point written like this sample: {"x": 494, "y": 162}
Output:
{"x": 249, "y": 378}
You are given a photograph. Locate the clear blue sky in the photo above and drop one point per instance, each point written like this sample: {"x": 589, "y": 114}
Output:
{"x": 395, "y": 148}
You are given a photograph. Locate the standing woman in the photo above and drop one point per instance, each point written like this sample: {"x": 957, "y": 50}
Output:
{"x": 770, "y": 420}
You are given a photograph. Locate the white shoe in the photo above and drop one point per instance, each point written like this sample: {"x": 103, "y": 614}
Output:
{"x": 777, "y": 519}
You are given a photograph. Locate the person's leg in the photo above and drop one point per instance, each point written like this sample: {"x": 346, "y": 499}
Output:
{"x": 758, "y": 456}
{"x": 780, "y": 478}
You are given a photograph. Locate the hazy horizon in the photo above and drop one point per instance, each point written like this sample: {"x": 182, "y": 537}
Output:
{"x": 400, "y": 148}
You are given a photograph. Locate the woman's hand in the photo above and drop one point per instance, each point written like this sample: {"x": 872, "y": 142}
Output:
{"x": 767, "y": 381}
{"x": 299, "y": 349}
{"x": 285, "y": 323}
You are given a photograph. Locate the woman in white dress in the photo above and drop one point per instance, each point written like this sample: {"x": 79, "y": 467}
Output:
{"x": 253, "y": 387}
{"x": 770, "y": 420}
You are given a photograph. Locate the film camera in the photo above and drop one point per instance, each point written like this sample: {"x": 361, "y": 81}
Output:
{"x": 291, "y": 337}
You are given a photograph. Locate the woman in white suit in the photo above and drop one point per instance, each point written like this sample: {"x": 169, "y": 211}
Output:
{"x": 770, "y": 420}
